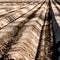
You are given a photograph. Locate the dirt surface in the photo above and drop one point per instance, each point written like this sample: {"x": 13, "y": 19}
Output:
{"x": 29, "y": 30}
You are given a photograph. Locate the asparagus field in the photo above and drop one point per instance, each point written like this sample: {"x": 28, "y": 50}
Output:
{"x": 30, "y": 30}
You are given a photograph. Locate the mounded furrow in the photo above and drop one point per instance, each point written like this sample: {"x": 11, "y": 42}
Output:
{"x": 14, "y": 6}
{"x": 33, "y": 35}
{"x": 46, "y": 38}
{"x": 11, "y": 31}
{"x": 10, "y": 9}
{"x": 12, "y": 16}
{"x": 26, "y": 46}
{"x": 56, "y": 6}
{"x": 27, "y": 7}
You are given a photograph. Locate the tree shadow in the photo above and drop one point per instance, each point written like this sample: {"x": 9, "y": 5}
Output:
{"x": 56, "y": 37}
